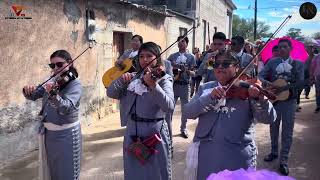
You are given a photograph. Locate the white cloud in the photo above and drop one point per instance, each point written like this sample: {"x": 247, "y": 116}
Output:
{"x": 297, "y": 19}
{"x": 278, "y": 14}
{"x": 293, "y": 9}
{"x": 296, "y": 22}
{"x": 262, "y": 19}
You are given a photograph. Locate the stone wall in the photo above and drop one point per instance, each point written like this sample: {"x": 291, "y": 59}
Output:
{"x": 26, "y": 45}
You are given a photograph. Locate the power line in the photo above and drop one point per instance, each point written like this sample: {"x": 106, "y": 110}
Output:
{"x": 251, "y": 7}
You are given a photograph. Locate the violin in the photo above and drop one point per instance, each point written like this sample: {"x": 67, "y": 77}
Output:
{"x": 62, "y": 81}
{"x": 239, "y": 85}
{"x": 240, "y": 89}
{"x": 157, "y": 72}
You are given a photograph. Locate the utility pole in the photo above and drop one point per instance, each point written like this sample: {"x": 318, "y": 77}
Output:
{"x": 255, "y": 20}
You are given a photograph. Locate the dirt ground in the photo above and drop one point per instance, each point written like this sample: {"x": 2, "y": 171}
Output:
{"x": 102, "y": 157}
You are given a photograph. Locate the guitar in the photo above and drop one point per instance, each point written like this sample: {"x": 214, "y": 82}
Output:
{"x": 280, "y": 88}
{"x": 116, "y": 71}
{"x": 178, "y": 69}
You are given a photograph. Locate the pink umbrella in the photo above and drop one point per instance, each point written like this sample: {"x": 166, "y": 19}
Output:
{"x": 298, "y": 51}
{"x": 249, "y": 174}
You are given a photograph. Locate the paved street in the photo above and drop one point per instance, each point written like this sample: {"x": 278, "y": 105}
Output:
{"x": 102, "y": 158}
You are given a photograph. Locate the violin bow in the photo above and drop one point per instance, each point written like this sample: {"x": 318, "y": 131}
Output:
{"x": 257, "y": 55}
{"x": 69, "y": 63}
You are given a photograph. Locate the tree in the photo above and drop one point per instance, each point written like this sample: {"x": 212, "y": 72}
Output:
{"x": 295, "y": 33}
{"x": 244, "y": 27}
{"x": 316, "y": 35}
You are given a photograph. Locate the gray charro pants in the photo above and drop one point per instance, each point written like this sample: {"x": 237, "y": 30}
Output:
{"x": 182, "y": 92}
{"x": 285, "y": 113}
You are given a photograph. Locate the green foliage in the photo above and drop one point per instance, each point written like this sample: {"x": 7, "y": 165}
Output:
{"x": 295, "y": 33}
{"x": 316, "y": 35}
{"x": 244, "y": 27}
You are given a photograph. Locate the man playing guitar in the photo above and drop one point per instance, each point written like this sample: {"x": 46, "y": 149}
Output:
{"x": 182, "y": 62}
{"x": 283, "y": 68}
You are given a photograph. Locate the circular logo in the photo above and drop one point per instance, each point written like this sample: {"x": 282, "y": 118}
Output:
{"x": 308, "y": 10}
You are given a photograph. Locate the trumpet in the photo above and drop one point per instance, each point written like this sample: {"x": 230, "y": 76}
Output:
{"x": 210, "y": 63}
{"x": 211, "y": 58}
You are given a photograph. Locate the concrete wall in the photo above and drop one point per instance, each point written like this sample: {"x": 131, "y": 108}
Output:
{"x": 213, "y": 12}
{"x": 25, "y": 47}
{"x": 173, "y": 25}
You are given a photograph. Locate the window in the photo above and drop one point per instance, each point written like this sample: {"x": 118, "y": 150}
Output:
{"x": 182, "y": 31}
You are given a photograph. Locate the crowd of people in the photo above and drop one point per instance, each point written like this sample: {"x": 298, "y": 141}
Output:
{"x": 224, "y": 136}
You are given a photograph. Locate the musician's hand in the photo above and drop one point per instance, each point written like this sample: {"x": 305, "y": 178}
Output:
{"x": 254, "y": 92}
{"x": 29, "y": 89}
{"x": 148, "y": 79}
{"x": 48, "y": 87}
{"x": 191, "y": 73}
{"x": 213, "y": 55}
{"x": 127, "y": 77}
{"x": 119, "y": 64}
{"x": 218, "y": 92}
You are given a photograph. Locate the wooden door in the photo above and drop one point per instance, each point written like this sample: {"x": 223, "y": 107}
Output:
{"x": 118, "y": 45}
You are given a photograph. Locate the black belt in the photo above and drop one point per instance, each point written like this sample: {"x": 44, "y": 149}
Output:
{"x": 136, "y": 118}
{"x": 181, "y": 83}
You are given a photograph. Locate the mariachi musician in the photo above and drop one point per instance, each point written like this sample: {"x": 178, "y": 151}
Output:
{"x": 205, "y": 68}
{"x": 144, "y": 101}
{"x": 224, "y": 136}
{"x": 60, "y": 131}
{"x": 136, "y": 42}
{"x": 182, "y": 62}
{"x": 292, "y": 71}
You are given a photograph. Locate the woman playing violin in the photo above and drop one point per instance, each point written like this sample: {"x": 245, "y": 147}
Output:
{"x": 144, "y": 103}
{"x": 224, "y": 137}
{"x": 60, "y": 132}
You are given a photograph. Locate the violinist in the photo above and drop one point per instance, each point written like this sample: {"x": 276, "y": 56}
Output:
{"x": 144, "y": 103}
{"x": 182, "y": 62}
{"x": 132, "y": 53}
{"x": 60, "y": 131}
{"x": 224, "y": 136}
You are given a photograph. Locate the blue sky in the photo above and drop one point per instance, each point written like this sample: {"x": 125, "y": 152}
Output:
{"x": 273, "y": 12}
